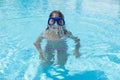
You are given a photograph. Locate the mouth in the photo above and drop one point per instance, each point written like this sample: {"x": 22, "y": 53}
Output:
{"x": 55, "y": 27}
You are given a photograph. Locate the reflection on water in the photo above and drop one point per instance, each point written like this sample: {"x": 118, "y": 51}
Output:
{"x": 95, "y": 22}
{"x": 60, "y": 73}
{"x": 27, "y": 8}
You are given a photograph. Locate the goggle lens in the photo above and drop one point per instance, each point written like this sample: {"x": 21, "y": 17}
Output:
{"x": 60, "y": 21}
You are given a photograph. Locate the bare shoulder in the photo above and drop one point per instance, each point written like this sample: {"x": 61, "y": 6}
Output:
{"x": 43, "y": 34}
{"x": 70, "y": 35}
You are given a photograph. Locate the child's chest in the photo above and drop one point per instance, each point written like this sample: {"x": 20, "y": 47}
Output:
{"x": 55, "y": 37}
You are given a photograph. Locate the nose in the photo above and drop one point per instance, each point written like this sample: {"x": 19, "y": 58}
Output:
{"x": 55, "y": 26}
{"x": 56, "y": 23}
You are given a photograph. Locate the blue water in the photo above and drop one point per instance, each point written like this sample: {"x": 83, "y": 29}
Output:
{"x": 95, "y": 22}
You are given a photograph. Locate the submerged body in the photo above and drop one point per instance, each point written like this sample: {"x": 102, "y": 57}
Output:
{"x": 56, "y": 36}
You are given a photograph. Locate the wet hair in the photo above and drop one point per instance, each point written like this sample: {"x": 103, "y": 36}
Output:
{"x": 56, "y": 12}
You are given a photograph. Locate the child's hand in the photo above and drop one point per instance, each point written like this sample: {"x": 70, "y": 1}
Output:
{"x": 76, "y": 53}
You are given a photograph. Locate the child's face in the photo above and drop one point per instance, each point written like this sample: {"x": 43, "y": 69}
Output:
{"x": 56, "y": 24}
{"x": 55, "y": 19}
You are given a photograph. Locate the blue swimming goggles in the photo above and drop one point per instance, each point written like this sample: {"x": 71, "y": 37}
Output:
{"x": 60, "y": 21}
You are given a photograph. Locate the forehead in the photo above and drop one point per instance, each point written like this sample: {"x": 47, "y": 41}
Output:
{"x": 55, "y": 15}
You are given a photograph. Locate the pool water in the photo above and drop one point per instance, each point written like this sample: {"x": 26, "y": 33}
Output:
{"x": 95, "y": 22}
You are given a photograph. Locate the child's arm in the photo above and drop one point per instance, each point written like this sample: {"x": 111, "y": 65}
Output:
{"x": 77, "y": 44}
{"x": 37, "y": 45}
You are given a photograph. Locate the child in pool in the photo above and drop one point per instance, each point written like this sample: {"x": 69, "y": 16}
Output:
{"x": 56, "y": 35}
